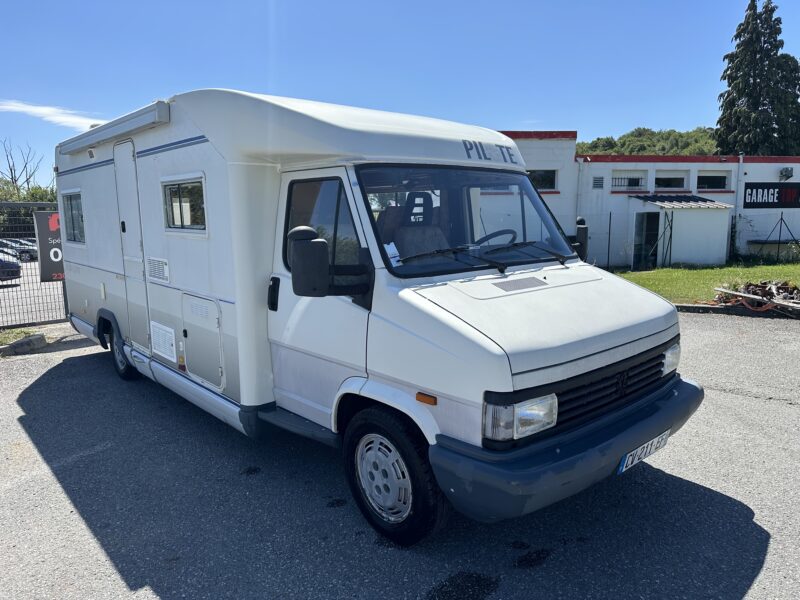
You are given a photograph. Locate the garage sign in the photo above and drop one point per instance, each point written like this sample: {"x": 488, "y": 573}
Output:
{"x": 784, "y": 194}
{"x": 48, "y": 238}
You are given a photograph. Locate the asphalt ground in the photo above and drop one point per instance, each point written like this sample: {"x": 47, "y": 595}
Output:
{"x": 112, "y": 489}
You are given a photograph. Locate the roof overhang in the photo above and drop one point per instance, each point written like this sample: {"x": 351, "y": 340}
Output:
{"x": 144, "y": 118}
{"x": 680, "y": 201}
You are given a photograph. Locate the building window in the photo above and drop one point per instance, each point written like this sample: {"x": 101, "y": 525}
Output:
{"x": 712, "y": 181}
{"x": 322, "y": 204}
{"x": 629, "y": 181}
{"x": 73, "y": 218}
{"x": 671, "y": 180}
{"x": 598, "y": 183}
{"x": 543, "y": 180}
{"x": 184, "y": 205}
{"x": 671, "y": 183}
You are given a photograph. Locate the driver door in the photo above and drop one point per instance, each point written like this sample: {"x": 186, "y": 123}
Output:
{"x": 316, "y": 343}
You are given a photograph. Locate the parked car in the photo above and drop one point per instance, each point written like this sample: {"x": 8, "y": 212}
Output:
{"x": 9, "y": 269}
{"x": 21, "y": 250}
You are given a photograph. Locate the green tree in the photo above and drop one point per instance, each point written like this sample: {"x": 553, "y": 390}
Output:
{"x": 760, "y": 110}
{"x": 38, "y": 193}
{"x": 698, "y": 141}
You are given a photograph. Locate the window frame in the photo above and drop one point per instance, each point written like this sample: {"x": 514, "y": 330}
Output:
{"x": 683, "y": 174}
{"x": 725, "y": 174}
{"x": 167, "y": 182}
{"x": 542, "y": 189}
{"x": 387, "y": 263}
{"x": 69, "y": 194}
{"x": 288, "y": 209}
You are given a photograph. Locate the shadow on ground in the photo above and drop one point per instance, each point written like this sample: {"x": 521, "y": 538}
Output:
{"x": 189, "y": 507}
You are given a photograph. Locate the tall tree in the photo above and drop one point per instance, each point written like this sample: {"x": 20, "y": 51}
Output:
{"x": 760, "y": 110}
{"x": 19, "y": 171}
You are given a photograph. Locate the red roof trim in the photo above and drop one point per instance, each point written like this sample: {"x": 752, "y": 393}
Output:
{"x": 541, "y": 135}
{"x": 656, "y": 158}
{"x": 772, "y": 159}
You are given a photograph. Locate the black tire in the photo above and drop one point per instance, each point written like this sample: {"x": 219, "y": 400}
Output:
{"x": 123, "y": 368}
{"x": 428, "y": 506}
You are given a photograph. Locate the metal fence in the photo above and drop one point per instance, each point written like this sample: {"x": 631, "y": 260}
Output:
{"x": 24, "y": 300}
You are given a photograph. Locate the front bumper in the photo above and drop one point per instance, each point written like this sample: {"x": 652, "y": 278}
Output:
{"x": 491, "y": 486}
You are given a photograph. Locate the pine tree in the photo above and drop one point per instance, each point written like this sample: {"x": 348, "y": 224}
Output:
{"x": 760, "y": 110}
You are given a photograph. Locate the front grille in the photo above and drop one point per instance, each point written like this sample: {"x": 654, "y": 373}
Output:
{"x": 590, "y": 395}
{"x": 607, "y": 392}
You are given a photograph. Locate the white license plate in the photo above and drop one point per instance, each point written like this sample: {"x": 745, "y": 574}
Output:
{"x": 643, "y": 451}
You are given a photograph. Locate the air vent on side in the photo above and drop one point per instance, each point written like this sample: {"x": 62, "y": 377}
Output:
{"x": 157, "y": 269}
{"x": 598, "y": 183}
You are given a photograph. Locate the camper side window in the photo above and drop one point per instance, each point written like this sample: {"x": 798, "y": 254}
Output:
{"x": 73, "y": 218}
{"x": 184, "y": 205}
{"x": 322, "y": 204}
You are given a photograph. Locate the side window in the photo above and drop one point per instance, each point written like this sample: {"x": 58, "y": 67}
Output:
{"x": 322, "y": 205}
{"x": 184, "y": 205}
{"x": 73, "y": 218}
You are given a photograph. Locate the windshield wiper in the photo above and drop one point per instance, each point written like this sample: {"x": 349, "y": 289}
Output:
{"x": 455, "y": 250}
{"x": 557, "y": 255}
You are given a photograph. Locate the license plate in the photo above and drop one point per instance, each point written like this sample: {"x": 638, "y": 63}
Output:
{"x": 643, "y": 451}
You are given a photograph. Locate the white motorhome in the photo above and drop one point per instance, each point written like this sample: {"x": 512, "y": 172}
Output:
{"x": 388, "y": 284}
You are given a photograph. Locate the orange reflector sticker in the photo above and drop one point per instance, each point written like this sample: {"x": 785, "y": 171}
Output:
{"x": 426, "y": 398}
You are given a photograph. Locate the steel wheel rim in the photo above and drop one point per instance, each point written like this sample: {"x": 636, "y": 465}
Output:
{"x": 384, "y": 478}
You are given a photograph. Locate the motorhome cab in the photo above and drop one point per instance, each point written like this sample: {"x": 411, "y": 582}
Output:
{"x": 388, "y": 284}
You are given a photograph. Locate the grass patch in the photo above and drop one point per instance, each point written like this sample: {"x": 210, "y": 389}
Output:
{"x": 694, "y": 284}
{"x": 12, "y": 335}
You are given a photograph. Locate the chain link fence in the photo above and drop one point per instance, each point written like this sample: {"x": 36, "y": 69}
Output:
{"x": 24, "y": 299}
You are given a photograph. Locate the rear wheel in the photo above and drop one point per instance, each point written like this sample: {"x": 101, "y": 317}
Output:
{"x": 121, "y": 365}
{"x": 387, "y": 468}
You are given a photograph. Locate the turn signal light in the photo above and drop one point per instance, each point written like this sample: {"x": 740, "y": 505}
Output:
{"x": 426, "y": 398}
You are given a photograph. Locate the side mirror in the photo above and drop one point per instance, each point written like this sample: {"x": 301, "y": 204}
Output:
{"x": 582, "y": 237}
{"x": 308, "y": 257}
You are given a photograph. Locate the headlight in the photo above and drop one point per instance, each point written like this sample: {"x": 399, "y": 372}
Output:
{"x": 671, "y": 359}
{"x": 515, "y": 421}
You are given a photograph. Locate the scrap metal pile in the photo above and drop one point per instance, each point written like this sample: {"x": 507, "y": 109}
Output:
{"x": 780, "y": 296}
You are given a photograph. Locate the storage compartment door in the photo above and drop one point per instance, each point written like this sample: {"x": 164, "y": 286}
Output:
{"x": 201, "y": 339}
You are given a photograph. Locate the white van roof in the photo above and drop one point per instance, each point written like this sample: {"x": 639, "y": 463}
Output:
{"x": 244, "y": 127}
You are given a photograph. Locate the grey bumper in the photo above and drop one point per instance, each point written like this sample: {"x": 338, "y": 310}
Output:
{"x": 491, "y": 486}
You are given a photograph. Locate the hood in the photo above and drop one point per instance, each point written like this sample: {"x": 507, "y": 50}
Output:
{"x": 554, "y": 315}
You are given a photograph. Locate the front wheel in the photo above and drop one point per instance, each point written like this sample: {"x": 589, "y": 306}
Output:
{"x": 121, "y": 365}
{"x": 387, "y": 468}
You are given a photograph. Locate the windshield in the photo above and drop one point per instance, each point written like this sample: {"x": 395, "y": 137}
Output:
{"x": 434, "y": 220}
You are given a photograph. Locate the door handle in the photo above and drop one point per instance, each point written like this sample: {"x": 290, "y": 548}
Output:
{"x": 122, "y": 226}
{"x": 273, "y": 293}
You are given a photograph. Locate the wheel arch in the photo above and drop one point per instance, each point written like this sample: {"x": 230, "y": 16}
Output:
{"x": 106, "y": 323}
{"x": 358, "y": 393}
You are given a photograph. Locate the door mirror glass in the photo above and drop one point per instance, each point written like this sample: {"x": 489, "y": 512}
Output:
{"x": 308, "y": 255}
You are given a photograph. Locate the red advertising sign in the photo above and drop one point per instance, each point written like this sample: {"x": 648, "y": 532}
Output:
{"x": 48, "y": 238}
{"x": 783, "y": 194}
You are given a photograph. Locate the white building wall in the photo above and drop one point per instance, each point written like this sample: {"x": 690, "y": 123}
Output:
{"x": 699, "y": 236}
{"x": 558, "y": 154}
{"x": 610, "y": 213}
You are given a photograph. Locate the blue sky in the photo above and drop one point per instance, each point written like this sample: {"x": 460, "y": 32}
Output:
{"x": 601, "y": 67}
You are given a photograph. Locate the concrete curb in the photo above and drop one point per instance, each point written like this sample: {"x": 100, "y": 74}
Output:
{"x": 26, "y": 345}
{"x": 738, "y": 311}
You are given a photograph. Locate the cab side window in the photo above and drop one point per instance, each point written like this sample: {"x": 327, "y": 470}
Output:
{"x": 322, "y": 205}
